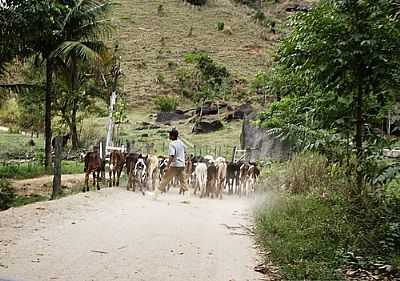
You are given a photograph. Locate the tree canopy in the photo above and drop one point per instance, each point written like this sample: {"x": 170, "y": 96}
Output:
{"x": 338, "y": 70}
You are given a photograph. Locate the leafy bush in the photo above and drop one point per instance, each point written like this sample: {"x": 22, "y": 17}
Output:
{"x": 259, "y": 16}
{"x": 205, "y": 80}
{"x": 7, "y": 194}
{"x": 220, "y": 26}
{"x": 166, "y": 104}
{"x": 9, "y": 112}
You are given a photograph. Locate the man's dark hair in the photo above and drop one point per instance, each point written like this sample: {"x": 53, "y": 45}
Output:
{"x": 173, "y": 134}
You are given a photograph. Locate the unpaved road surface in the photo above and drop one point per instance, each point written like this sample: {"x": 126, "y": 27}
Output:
{"x": 119, "y": 235}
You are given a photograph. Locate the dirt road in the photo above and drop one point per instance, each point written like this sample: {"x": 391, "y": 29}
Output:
{"x": 119, "y": 235}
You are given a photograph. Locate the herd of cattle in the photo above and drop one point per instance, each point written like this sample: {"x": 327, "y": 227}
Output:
{"x": 206, "y": 175}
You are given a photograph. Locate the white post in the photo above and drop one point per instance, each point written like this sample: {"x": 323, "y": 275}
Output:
{"x": 109, "y": 141}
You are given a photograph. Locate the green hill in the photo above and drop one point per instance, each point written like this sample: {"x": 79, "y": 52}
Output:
{"x": 153, "y": 35}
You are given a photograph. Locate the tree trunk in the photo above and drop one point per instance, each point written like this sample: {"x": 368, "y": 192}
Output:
{"x": 74, "y": 131}
{"x": 74, "y": 88}
{"x": 359, "y": 137}
{"x": 58, "y": 149}
{"x": 47, "y": 118}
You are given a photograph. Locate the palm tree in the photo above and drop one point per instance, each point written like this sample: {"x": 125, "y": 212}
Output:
{"x": 83, "y": 31}
{"x": 53, "y": 30}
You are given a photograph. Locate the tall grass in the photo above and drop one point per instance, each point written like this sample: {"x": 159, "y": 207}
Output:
{"x": 318, "y": 227}
{"x": 34, "y": 169}
{"x": 307, "y": 172}
{"x": 166, "y": 104}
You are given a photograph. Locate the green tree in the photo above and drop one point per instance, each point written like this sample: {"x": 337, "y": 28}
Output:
{"x": 340, "y": 64}
{"x": 56, "y": 30}
{"x": 80, "y": 98}
{"x": 83, "y": 32}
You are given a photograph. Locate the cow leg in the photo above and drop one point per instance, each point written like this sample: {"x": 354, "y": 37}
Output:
{"x": 86, "y": 186}
{"x": 118, "y": 176}
{"x": 94, "y": 178}
{"x": 98, "y": 180}
{"x": 142, "y": 184}
{"x": 195, "y": 185}
{"x": 220, "y": 189}
{"x": 114, "y": 178}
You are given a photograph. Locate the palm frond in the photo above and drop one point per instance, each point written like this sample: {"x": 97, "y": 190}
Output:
{"x": 77, "y": 49}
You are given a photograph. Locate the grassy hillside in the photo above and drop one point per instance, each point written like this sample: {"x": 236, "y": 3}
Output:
{"x": 153, "y": 35}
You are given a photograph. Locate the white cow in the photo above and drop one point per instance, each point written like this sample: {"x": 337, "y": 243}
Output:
{"x": 200, "y": 178}
{"x": 152, "y": 172}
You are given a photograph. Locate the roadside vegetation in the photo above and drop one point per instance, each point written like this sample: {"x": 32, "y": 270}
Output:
{"x": 338, "y": 208}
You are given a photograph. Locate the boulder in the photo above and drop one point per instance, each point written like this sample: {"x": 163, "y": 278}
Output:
{"x": 204, "y": 127}
{"x": 207, "y": 110}
{"x": 211, "y": 108}
{"x": 261, "y": 145}
{"x": 297, "y": 8}
{"x": 240, "y": 112}
{"x": 167, "y": 117}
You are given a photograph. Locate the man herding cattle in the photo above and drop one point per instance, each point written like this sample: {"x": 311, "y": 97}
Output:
{"x": 176, "y": 163}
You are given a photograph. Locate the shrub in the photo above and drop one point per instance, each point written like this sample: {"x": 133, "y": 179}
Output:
{"x": 220, "y": 26}
{"x": 166, "y": 104}
{"x": 259, "y": 16}
{"x": 7, "y": 194}
{"x": 160, "y": 79}
{"x": 307, "y": 172}
{"x": 9, "y": 112}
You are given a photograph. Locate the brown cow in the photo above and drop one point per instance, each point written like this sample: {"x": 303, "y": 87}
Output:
{"x": 211, "y": 180}
{"x": 253, "y": 174}
{"x": 93, "y": 164}
{"x": 131, "y": 160}
{"x": 117, "y": 162}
